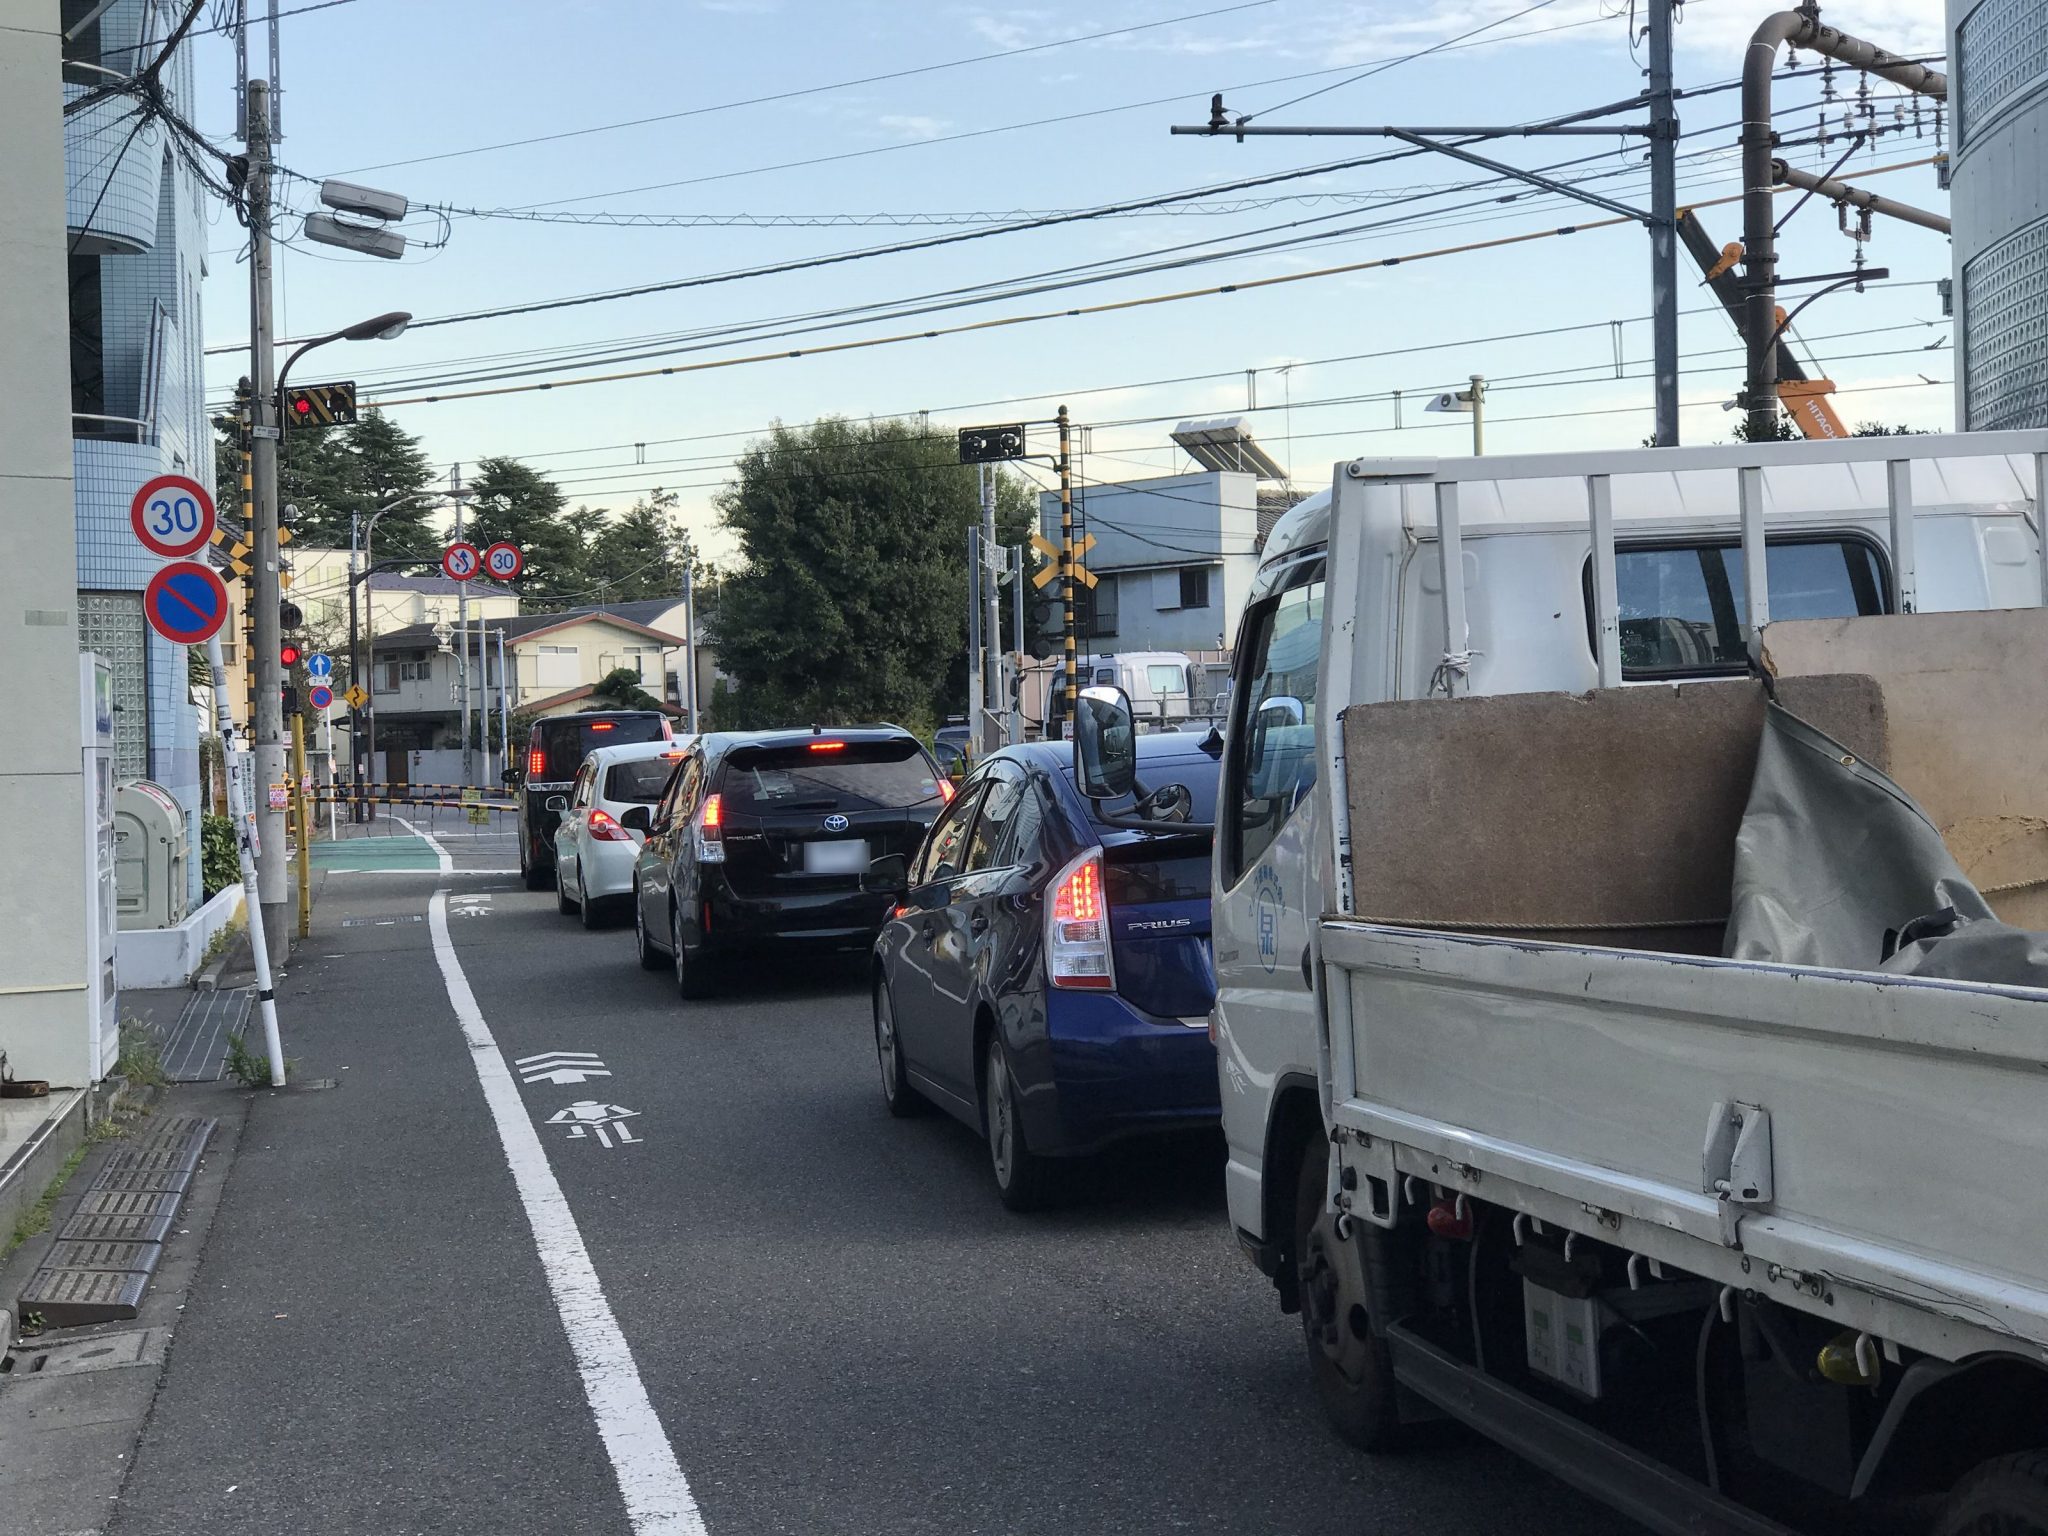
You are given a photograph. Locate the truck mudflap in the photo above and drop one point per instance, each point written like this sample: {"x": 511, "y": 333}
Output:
{"x": 1646, "y": 1490}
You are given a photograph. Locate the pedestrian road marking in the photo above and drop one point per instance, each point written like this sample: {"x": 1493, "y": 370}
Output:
{"x": 651, "y": 1482}
{"x": 561, "y": 1067}
{"x": 590, "y": 1117}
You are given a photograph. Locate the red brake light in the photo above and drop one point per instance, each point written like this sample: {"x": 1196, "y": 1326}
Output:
{"x": 536, "y": 762}
{"x": 828, "y": 746}
{"x": 673, "y": 756}
{"x": 601, "y": 725}
{"x": 1079, "y": 898}
{"x": 604, "y": 826}
{"x": 714, "y": 812}
{"x": 945, "y": 791}
{"x": 1077, "y": 944}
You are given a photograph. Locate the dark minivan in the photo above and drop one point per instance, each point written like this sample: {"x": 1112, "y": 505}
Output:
{"x": 1047, "y": 976}
{"x": 554, "y": 752}
{"x": 763, "y": 837}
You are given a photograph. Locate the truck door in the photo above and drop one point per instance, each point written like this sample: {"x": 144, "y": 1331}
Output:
{"x": 1268, "y": 879}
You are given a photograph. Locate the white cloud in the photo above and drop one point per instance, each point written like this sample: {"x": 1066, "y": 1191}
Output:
{"x": 912, "y": 125}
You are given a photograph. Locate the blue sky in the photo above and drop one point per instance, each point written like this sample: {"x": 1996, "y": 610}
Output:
{"x": 373, "y": 82}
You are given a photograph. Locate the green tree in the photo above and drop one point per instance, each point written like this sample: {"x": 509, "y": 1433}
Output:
{"x": 386, "y": 463}
{"x": 638, "y": 553}
{"x": 518, "y": 504}
{"x": 620, "y": 689}
{"x": 850, "y": 604}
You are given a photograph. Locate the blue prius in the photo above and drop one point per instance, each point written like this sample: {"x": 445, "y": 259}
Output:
{"x": 1045, "y": 974}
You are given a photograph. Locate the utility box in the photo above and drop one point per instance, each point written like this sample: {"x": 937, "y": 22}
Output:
{"x": 150, "y": 851}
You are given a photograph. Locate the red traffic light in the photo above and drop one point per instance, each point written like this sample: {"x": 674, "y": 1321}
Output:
{"x": 289, "y": 654}
{"x": 302, "y": 406}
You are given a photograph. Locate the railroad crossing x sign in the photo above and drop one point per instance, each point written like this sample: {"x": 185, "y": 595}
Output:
{"x": 1050, "y": 572}
{"x": 355, "y": 696}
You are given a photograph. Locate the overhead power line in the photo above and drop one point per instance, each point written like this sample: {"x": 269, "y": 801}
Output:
{"x": 1106, "y": 307}
{"x": 808, "y": 90}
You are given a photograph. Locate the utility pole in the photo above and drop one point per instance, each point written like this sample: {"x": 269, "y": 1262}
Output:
{"x": 1663, "y": 225}
{"x": 975, "y": 670}
{"x": 1016, "y": 680}
{"x": 689, "y": 680}
{"x": 462, "y": 634}
{"x": 1660, "y": 219}
{"x": 992, "y": 623}
{"x": 504, "y": 707}
{"x": 1068, "y": 685}
{"x": 271, "y": 878}
{"x": 1478, "y": 415}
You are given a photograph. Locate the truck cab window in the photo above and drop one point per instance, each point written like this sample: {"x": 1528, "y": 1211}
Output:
{"x": 1682, "y": 605}
{"x": 1273, "y": 753}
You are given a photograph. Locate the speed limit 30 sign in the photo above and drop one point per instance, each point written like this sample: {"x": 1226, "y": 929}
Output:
{"x": 461, "y": 561}
{"x": 172, "y": 516}
{"x": 504, "y": 561}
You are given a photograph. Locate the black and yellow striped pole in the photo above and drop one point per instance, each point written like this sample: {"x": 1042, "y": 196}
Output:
{"x": 1068, "y": 682}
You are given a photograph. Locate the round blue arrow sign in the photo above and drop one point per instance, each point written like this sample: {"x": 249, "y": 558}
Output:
{"x": 320, "y": 665}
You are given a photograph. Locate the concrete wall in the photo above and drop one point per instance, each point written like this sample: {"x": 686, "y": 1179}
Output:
{"x": 1998, "y": 57}
{"x": 43, "y": 980}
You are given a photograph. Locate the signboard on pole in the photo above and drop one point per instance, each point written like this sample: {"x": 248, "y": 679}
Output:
{"x": 504, "y": 561}
{"x": 172, "y": 516}
{"x": 461, "y": 561}
{"x": 320, "y": 696}
{"x": 319, "y": 666}
{"x": 185, "y": 602}
{"x": 356, "y": 697}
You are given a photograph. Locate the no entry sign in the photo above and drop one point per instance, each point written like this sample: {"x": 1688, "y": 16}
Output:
{"x": 172, "y": 516}
{"x": 461, "y": 561}
{"x": 185, "y": 603}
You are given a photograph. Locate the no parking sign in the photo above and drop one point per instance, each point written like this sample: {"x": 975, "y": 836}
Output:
{"x": 185, "y": 603}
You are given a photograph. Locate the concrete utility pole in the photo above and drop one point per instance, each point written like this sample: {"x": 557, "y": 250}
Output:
{"x": 984, "y": 731}
{"x": 1663, "y": 225}
{"x": 1069, "y": 685}
{"x": 976, "y": 672}
{"x": 689, "y": 679}
{"x": 1478, "y": 415}
{"x": 271, "y": 875}
{"x": 504, "y": 707}
{"x": 462, "y": 633}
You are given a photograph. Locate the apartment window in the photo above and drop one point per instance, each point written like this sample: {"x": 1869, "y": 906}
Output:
{"x": 1101, "y": 609}
{"x": 1187, "y": 587}
{"x": 555, "y": 666}
{"x": 418, "y": 670}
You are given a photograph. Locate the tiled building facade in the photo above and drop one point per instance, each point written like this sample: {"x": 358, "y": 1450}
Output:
{"x": 138, "y": 220}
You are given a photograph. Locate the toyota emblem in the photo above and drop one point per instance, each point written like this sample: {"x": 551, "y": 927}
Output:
{"x": 836, "y": 823}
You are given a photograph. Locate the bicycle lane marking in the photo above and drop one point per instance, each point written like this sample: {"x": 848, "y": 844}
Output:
{"x": 657, "y": 1495}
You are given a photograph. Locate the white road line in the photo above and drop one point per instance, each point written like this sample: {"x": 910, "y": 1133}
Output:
{"x": 657, "y": 1495}
{"x": 371, "y": 869}
{"x": 447, "y": 863}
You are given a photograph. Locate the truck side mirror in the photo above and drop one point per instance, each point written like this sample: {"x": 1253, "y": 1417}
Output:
{"x": 1105, "y": 744}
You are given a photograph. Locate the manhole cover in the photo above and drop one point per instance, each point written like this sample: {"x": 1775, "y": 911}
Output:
{"x": 70, "y": 1297}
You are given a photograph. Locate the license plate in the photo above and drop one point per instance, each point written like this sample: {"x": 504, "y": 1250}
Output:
{"x": 840, "y": 856}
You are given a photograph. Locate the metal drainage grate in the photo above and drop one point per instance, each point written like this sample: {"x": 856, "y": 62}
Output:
{"x": 197, "y": 1050}
{"x": 137, "y": 1228}
{"x": 68, "y": 1298}
{"x": 128, "y": 1203}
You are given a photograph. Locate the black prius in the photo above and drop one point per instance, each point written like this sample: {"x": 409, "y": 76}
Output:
{"x": 761, "y": 840}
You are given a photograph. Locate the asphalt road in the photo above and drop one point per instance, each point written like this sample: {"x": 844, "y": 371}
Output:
{"x": 836, "y": 1326}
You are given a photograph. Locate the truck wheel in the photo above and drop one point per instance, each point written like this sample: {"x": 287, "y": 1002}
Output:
{"x": 1354, "y": 1378}
{"x": 535, "y": 877}
{"x": 2006, "y": 1497}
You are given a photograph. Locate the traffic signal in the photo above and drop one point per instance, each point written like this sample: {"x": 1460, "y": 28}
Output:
{"x": 986, "y": 445}
{"x": 321, "y": 405}
{"x": 290, "y": 653}
{"x": 289, "y": 616}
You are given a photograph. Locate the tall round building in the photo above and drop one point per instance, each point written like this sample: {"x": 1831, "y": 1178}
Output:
{"x": 1998, "y": 89}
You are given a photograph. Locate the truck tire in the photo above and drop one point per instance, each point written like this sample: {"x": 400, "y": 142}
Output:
{"x": 1353, "y": 1374}
{"x": 2006, "y": 1497}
